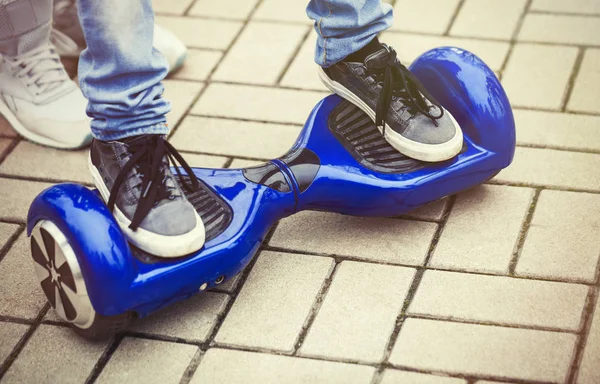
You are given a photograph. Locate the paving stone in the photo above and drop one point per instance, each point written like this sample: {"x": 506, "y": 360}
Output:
{"x": 31, "y": 160}
{"x": 439, "y": 13}
{"x": 241, "y": 163}
{"x": 526, "y": 76}
{"x": 10, "y": 334}
{"x": 5, "y": 128}
{"x": 260, "y": 103}
{"x": 589, "y": 370}
{"x": 171, "y": 7}
{"x": 572, "y": 6}
{"x": 545, "y": 167}
{"x": 389, "y": 240}
{"x": 261, "y": 53}
{"x": 359, "y": 312}
{"x": 4, "y": 144}
{"x": 564, "y": 223}
{"x": 488, "y": 18}
{"x": 147, "y": 361}
{"x": 201, "y": 33}
{"x": 204, "y": 161}
{"x": 431, "y": 211}
{"x": 482, "y": 229}
{"x": 585, "y": 93}
{"x": 283, "y": 11}
{"x": 561, "y": 130}
{"x": 411, "y": 46}
{"x": 275, "y": 301}
{"x": 303, "y": 72}
{"x": 21, "y": 293}
{"x": 240, "y": 367}
{"x": 238, "y": 9}
{"x": 544, "y": 28}
{"x": 190, "y": 319}
{"x": 6, "y": 232}
{"x": 472, "y": 349}
{"x": 16, "y": 196}
{"x": 503, "y": 300}
{"x": 234, "y": 138}
{"x": 55, "y": 355}
{"x": 198, "y": 65}
{"x": 181, "y": 95}
{"x": 392, "y": 376}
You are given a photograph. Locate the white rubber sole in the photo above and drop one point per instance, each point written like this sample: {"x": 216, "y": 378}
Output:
{"x": 157, "y": 245}
{"x": 410, "y": 148}
{"x": 32, "y": 136}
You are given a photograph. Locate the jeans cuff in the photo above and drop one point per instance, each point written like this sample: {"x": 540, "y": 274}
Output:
{"x": 156, "y": 129}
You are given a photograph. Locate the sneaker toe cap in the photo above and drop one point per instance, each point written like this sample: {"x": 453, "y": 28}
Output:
{"x": 174, "y": 218}
{"x": 423, "y": 130}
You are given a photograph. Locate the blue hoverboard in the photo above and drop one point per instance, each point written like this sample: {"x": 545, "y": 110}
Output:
{"x": 97, "y": 282}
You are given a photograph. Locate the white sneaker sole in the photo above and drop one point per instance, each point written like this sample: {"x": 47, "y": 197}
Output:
{"x": 410, "y": 148}
{"x": 34, "y": 137}
{"x": 157, "y": 245}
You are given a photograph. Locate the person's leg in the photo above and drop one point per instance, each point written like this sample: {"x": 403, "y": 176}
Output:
{"x": 120, "y": 74}
{"x": 356, "y": 66}
{"x": 36, "y": 95}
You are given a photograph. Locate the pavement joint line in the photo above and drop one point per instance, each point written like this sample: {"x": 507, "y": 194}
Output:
{"x": 247, "y": 119}
{"x": 192, "y": 366}
{"x": 586, "y": 325}
{"x": 541, "y": 186}
{"x": 453, "y": 18}
{"x": 513, "y": 38}
{"x": 104, "y": 358}
{"x": 23, "y": 341}
{"x": 555, "y": 13}
{"x": 518, "y": 248}
{"x": 294, "y": 54}
{"x": 567, "y": 112}
{"x": 16, "y": 320}
{"x": 9, "y": 149}
{"x": 42, "y": 179}
{"x": 228, "y": 162}
{"x": 563, "y": 149}
{"x": 5, "y": 248}
{"x": 173, "y": 129}
{"x": 572, "y": 79}
{"x": 269, "y": 85}
{"x": 316, "y": 307}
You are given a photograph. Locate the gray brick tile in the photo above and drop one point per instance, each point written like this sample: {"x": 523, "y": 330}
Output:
{"x": 31, "y": 160}
{"x": 147, "y": 361}
{"x": 241, "y": 163}
{"x": 171, "y": 7}
{"x": 21, "y": 293}
{"x": 239, "y": 367}
{"x": 234, "y": 138}
{"x": 180, "y": 94}
{"x": 431, "y": 211}
{"x": 587, "y": 87}
{"x": 55, "y": 355}
{"x": 201, "y": 33}
{"x": 283, "y": 11}
{"x": 482, "y": 229}
{"x": 198, "y": 65}
{"x": 16, "y": 196}
{"x": 502, "y": 300}
{"x": 6, "y": 232}
{"x": 204, "y": 161}
{"x": 488, "y": 18}
{"x": 573, "y": 6}
{"x": 390, "y": 240}
{"x": 561, "y": 241}
{"x": 439, "y": 13}
{"x": 544, "y": 167}
{"x": 10, "y": 334}
{"x": 302, "y": 73}
{"x": 261, "y": 53}
{"x": 563, "y": 29}
{"x": 238, "y": 9}
{"x": 359, "y": 312}
{"x": 191, "y": 319}
{"x": 589, "y": 370}
{"x": 392, "y": 376}
{"x": 537, "y": 76}
{"x": 257, "y": 103}
{"x": 275, "y": 301}
{"x": 562, "y": 130}
{"x": 458, "y": 348}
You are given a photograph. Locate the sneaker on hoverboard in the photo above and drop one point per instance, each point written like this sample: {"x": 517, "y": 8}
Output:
{"x": 135, "y": 180}
{"x": 407, "y": 115}
{"x": 68, "y": 38}
{"x": 40, "y": 101}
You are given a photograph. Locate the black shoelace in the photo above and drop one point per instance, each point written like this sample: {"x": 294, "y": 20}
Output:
{"x": 148, "y": 155}
{"x": 398, "y": 81}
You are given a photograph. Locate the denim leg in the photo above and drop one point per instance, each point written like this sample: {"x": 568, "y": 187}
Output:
{"x": 24, "y": 25}
{"x": 345, "y": 26}
{"x": 120, "y": 72}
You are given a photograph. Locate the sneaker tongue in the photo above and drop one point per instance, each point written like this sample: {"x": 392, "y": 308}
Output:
{"x": 378, "y": 59}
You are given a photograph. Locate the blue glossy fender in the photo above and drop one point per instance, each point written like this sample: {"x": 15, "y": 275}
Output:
{"x": 118, "y": 279}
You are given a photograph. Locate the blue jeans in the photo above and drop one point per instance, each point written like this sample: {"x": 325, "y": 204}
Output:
{"x": 120, "y": 73}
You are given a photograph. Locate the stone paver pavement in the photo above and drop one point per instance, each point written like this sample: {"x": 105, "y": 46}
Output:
{"x": 500, "y": 284}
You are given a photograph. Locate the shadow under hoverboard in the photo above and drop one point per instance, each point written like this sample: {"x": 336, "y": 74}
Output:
{"x": 340, "y": 163}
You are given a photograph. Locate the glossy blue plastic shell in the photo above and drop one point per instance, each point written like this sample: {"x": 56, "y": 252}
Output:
{"x": 118, "y": 282}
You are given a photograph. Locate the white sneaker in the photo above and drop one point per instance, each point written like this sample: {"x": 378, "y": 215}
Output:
{"x": 67, "y": 36}
{"x": 40, "y": 101}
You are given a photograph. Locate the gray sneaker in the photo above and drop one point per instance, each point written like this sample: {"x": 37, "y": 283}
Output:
{"x": 407, "y": 115}
{"x": 134, "y": 178}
